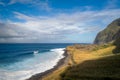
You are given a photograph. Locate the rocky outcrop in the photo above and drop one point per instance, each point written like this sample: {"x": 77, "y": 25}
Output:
{"x": 111, "y": 33}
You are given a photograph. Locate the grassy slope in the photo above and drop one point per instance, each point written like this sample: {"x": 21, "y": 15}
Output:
{"x": 100, "y": 69}
{"x": 89, "y": 63}
{"x": 101, "y": 64}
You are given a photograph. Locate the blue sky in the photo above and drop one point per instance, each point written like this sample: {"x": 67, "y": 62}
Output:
{"x": 55, "y": 21}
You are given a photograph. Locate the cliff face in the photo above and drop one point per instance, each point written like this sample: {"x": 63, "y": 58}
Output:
{"x": 111, "y": 33}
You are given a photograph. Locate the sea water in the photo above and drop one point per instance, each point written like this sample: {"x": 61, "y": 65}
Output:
{"x": 21, "y": 61}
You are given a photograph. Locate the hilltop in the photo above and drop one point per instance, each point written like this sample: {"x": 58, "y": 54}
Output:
{"x": 109, "y": 34}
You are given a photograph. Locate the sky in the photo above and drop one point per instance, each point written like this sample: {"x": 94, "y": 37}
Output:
{"x": 55, "y": 21}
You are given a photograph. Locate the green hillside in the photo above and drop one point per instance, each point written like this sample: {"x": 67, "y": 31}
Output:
{"x": 109, "y": 34}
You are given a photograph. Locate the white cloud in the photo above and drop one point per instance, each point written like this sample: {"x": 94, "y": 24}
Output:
{"x": 19, "y": 1}
{"x": 36, "y": 3}
{"x": 55, "y": 28}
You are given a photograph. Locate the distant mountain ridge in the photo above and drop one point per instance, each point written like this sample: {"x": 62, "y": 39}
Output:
{"x": 111, "y": 33}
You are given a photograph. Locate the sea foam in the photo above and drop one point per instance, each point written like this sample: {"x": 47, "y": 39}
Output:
{"x": 38, "y": 64}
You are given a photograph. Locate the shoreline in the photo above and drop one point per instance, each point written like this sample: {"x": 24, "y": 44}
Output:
{"x": 61, "y": 62}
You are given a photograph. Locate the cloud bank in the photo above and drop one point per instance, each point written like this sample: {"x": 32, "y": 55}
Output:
{"x": 57, "y": 28}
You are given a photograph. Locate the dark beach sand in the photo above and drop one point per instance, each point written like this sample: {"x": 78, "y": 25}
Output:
{"x": 39, "y": 76}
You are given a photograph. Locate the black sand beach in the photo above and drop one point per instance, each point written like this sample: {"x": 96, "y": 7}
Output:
{"x": 39, "y": 76}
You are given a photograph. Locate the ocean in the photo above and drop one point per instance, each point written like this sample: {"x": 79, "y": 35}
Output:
{"x": 21, "y": 61}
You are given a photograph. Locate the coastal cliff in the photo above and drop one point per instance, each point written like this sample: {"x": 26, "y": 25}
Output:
{"x": 92, "y": 61}
{"x": 109, "y": 34}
